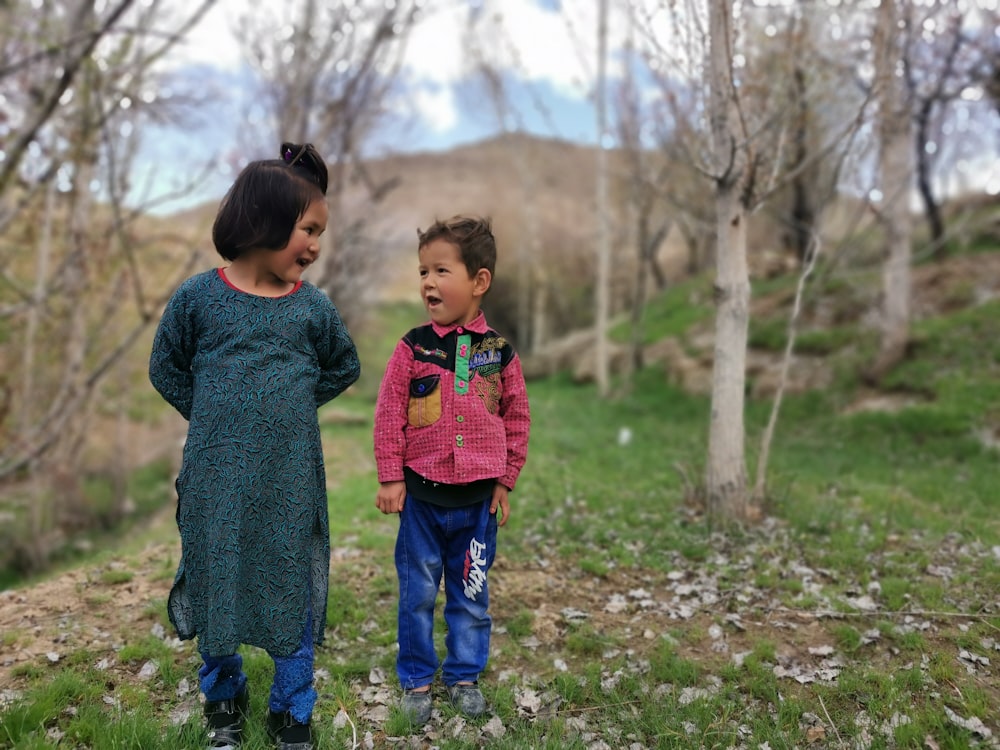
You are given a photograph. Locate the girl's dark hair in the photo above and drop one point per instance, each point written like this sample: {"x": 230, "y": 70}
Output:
{"x": 267, "y": 198}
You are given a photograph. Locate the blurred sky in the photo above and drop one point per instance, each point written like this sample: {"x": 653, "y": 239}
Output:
{"x": 547, "y": 48}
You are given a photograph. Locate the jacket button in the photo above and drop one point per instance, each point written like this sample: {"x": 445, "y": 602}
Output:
{"x": 459, "y": 440}
{"x": 459, "y": 418}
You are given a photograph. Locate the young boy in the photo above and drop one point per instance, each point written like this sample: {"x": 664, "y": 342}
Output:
{"x": 451, "y": 436}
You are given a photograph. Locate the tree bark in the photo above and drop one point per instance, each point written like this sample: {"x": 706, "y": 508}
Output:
{"x": 896, "y": 173}
{"x": 726, "y": 484}
{"x": 726, "y": 475}
{"x": 601, "y": 368}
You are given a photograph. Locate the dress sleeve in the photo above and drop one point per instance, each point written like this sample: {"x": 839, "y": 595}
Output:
{"x": 516, "y": 419}
{"x": 338, "y": 358}
{"x": 390, "y": 415}
{"x": 173, "y": 350}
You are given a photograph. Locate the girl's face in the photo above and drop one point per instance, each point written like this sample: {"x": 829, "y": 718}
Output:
{"x": 302, "y": 249}
{"x": 450, "y": 295}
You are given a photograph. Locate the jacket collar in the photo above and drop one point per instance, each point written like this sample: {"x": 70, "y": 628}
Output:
{"x": 476, "y": 325}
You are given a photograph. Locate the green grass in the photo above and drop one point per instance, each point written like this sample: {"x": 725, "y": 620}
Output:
{"x": 900, "y": 507}
{"x": 672, "y": 312}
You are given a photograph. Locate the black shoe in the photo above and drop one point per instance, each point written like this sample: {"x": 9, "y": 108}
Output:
{"x": 224, "y": 721}
{"x": 287, "y": 733}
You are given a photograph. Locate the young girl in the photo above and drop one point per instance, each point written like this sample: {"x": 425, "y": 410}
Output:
{"x": 247, "y": 353}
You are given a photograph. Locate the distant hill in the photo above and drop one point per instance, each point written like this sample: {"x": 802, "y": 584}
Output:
{"x": 519, "y": 180}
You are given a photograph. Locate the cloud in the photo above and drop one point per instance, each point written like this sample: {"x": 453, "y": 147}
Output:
{"x": 558, "y": 47}
{"x": 436, "y": 107}
{"x": 551, "y": 46}
{"x": 213, "y": 40}
{"x": 435, "y": 51}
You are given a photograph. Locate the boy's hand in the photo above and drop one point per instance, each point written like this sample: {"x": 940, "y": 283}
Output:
{"x": 500, "y": 500}
{"x": 390, "y": 497}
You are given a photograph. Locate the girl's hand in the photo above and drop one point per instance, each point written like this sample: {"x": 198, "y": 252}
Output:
{"x": 390, "y": 497}
{"x": 500, "y": 500}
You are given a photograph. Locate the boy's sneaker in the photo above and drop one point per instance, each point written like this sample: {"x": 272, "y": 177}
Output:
{"x": 416, "y": 706}
{"x": 468, "y": 699}
{"x": 287, "y": 732}
{"x": 224, "y": 721}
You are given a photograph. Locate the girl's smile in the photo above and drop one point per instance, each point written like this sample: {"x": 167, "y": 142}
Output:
{"x": 276, "y": 272}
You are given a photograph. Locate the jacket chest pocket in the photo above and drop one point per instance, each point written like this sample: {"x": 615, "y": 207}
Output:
{"x": 424, "y": 408}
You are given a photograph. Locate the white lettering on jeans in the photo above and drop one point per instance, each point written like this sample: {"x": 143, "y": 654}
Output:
{"x": 474, "y": 574}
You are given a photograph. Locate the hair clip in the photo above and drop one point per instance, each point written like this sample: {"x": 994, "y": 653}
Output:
{"x": 288, "y": 155}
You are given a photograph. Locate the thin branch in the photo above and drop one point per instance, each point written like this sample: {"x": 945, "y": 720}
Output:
{"x": 71, "y": 67}
{"x": 765, "y": 443}
{"x": 840, "y": 740}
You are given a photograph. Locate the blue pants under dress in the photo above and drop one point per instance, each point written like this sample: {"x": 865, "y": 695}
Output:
{"x": 222, "y": 678}
{"x": 459, "y": 543}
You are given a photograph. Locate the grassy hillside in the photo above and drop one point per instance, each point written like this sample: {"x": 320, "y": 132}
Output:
{"x": 862, "y": 612}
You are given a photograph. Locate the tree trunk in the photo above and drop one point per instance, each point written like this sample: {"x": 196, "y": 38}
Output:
{"x": 540, "y": 307}
{"x": 726, "y": 476}
{"x": 639, "y": 296}
{"x": 932, "y": 210}
{"x": 601, "y": 368}
{"x": 896, "y": 172}
{"x": 803, "y": 215}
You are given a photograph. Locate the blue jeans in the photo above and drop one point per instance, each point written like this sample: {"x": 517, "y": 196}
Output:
{"x": 222, "y": 679}
{"x": 461, "y": 544}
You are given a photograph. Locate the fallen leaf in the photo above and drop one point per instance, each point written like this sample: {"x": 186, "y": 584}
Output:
{"x": 816, "y": 733}
{"x": 529, "y": 700}
{"x": 494, "y": 728}
{"x": 616, "y": 604}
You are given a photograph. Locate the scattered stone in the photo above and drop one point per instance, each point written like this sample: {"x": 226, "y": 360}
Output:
{"x": 148, "y": 670}
{"x": 973, "y": 724}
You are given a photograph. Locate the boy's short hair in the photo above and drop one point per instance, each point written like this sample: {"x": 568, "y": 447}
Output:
{"x": 267, "y": 198}
{"x": 472, "y": 235}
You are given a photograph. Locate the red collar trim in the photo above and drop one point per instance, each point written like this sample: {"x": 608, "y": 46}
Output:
{"x": 231, "y": 285}
{"x": 476, "y": 325}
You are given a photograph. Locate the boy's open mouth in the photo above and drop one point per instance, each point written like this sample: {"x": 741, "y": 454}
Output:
{"x": 432, "y": 300}
{"x": 304, "y": 262}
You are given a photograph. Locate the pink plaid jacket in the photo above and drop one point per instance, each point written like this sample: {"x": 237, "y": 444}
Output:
{"x": 452, "y": 407}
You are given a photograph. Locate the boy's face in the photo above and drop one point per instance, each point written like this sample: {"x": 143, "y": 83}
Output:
{"x": 450, "y": 294}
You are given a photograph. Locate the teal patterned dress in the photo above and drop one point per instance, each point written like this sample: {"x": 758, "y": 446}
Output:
{"x": 249, "y": 373}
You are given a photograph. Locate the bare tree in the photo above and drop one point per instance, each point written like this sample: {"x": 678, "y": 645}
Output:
{"x": 78, "y": 80}
{"x": 733, "y": 171}
{"x": 646, "y": 174}
{"x": 603, "y": 255}
{"x": 753, "y": 110}
{"x": 943, "y": 57}
{"x": 327, "y": 76}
